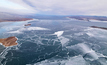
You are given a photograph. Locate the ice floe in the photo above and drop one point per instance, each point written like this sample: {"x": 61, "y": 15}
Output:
{"x": 59, "y": 33}
{"x": 62, "y": 39}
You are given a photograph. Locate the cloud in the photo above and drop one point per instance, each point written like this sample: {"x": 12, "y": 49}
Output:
{"x": 65, "y": 7}
{"x": 11, "y": 7}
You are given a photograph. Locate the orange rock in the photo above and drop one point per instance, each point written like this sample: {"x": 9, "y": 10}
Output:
{"x": 10, "y": 41}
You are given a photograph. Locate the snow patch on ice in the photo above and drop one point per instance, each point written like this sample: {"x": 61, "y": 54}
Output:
{"x": 36, "y": 28}
{"x": 98, "y": 21}
{"x": 15, "y": 31}
{"x": 98, "y": 33}
{"x": 28, "y": 29}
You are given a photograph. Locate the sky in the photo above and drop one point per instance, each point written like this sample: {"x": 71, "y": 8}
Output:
{"x": 55, "y": 7}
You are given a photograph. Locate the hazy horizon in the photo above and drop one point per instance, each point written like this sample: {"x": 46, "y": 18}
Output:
{"x": 55, "y": 7}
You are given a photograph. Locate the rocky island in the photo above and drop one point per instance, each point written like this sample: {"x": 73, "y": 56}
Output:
{"x": 10, "y": 41}
{"x": 27, "y": 24}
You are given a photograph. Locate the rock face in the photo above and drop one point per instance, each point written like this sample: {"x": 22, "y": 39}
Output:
{"x": 10, "y": 41}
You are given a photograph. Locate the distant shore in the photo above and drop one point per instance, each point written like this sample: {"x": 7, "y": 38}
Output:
{"x": 99, "y": 27}
{"x": 15, "y": 20}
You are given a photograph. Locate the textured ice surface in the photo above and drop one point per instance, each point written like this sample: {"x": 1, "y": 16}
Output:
{"x": 58, "y": 42}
